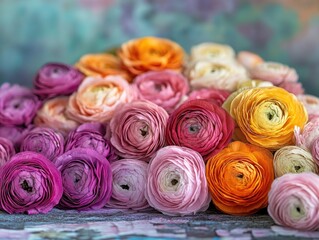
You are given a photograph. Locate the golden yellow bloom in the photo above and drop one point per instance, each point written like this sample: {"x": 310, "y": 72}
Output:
{"x": 239, "y": 178}
{"x": 266, "y": 117}
{"x": 101, "y": 64}
{"x": 151, "y": 53}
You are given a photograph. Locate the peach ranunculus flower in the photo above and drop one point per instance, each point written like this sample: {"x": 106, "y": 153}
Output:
{"x": 239, "y": 178}
{"x": 274, "y": 72}
{"x": 97, "y": 98}
{"x": 151, "y": 54}
{"x": 249, "y": 59}
{"x": 102, "y": 64}
{"x": 53, "y": 114}
{"x": 212, "y": 51}
{"x": 266, "y": 117}
{"x": 220, "y": 74}
{"x": 311, "y": 104}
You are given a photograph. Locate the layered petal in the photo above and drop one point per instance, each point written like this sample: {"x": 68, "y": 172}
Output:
{"x": 176, "y": 183}
{"x": 239, "y": 178}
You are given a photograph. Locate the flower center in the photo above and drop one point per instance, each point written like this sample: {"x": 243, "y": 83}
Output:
{"x": 25, "y": 186}
{"x": 194, "y": 128}
{"x": 174, "y": 182}
{"x": 125, "y": 187}
{"x": 144, "y": 131}
{"x": 77, "y": 178}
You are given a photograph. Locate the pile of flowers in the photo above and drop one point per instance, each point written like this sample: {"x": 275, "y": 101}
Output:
{"x": 153, "y": 127}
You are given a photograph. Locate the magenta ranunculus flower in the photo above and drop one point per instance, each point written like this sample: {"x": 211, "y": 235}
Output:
{"x": 6, "y": 150}
{"x": 176, "y": 182}
{"x": 29, "y": 183}
{"x": 91, "y": 135}
{"x": 217, "y": 96}
{"x": 200, "y": 125}
{"x": 45, "y": 141}
{"x": 293, "y": 201}
{"x": 129, "y": 182}
{"x": 54, "y": 79}
{"x": 138, "y": 129}
{"x": 164, "y": 88}
{"x": 15, "y": 134}
{"x": 86, "y": 178}
{"x": 18, "y": 105}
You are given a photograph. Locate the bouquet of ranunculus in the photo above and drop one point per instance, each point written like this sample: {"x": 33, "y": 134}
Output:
{"x": 150, "y": 126}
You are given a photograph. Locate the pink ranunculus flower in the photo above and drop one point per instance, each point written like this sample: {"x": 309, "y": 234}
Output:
{"x": 274, "y": 72}
{"x": 311, "y": 104}
{"x": 164, "y": 88}
{"x": 97, "y": 98}
{"x": 176, "y": 182}
{"x": 86, "y": 179}
{"x": 217, "y": 96}
{"x": 293, "y": 87}
{"x": 200, "y": 125}
{"x": 304, "y": 138}
{"x": 315, "y": 150}
{"x": 15, "y": 134}
{"x": 293, "y": 201}
{"x": 53, "y": 114}
{"x": 29, "y": 183}
{"x": 54, "y": 79}
{"x": 138, "y": 130}
{"x": 6, "y": 150}
{"x": 91, "y": 135}
{"x": 129, "y": 182}
{"x": 45, "y": 141}
{"x": 18, "y": 105}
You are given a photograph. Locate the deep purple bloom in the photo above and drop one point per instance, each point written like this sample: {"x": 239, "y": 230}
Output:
{"x": 87, "y": 179}
{"x": 18, "y": 105}
{"x": 92, "y": 136}
{"x": 29, "y": 183}
{"x": 45, "y": 141}
{"x": 54, "y": 79}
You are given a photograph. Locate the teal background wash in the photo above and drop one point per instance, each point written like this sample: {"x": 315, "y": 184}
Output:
{"x": 33, "y": 32}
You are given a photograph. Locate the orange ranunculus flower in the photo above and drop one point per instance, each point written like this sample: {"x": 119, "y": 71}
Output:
{"x": 151, "y": 53}
{"x": 266, "y": 117}
{"x": 239, "y": 178}
{"x": 102, "y": 64}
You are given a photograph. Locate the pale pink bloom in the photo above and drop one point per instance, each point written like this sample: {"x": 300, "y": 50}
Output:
{"x": 176, "y": 183}
{"x": 129, "y": 182}
{"x": 311, "y": 104}
{"x": 276, "y": 73}
{"x": 293, "y": 201}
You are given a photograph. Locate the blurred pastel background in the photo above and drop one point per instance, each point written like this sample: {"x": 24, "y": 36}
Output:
{"x": 33, "y": 32}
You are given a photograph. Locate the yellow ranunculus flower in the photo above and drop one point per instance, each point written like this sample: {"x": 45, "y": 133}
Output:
{"x": 266, "y": 117}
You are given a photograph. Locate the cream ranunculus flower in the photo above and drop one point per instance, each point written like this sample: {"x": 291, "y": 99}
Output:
{"x": 266, "y": 117}
{"x": 216, "y": 74}
{"x": 251, "y": 83}
{"x": 212, "y": 51}
{"x": 293, "y": 159}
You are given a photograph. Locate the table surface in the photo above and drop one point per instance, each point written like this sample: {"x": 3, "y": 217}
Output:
{"x": 110, "y": 224}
